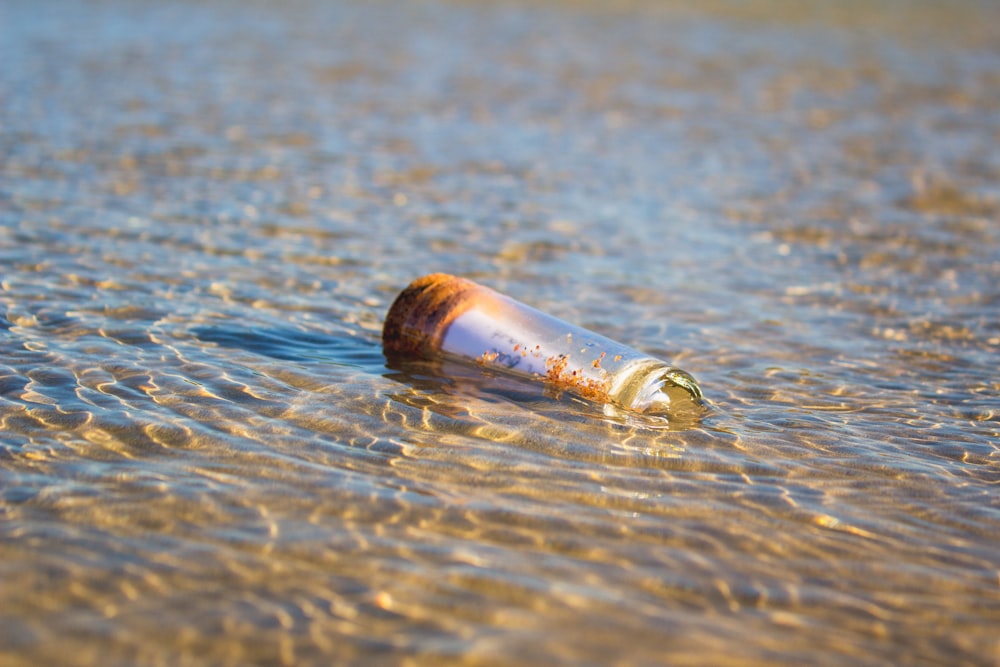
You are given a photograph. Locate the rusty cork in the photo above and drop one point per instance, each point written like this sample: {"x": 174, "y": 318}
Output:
{"x": 418, "y": 318}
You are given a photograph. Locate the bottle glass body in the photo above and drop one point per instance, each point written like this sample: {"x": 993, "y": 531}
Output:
{"x": 442, "y": 315}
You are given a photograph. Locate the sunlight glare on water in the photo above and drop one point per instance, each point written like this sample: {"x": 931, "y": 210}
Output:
{"x": 207, "y": 208}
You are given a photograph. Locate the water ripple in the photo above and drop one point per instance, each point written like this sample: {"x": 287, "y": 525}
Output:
{"x": 205, "y": 213}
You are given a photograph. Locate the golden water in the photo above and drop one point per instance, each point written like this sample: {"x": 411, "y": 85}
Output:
{"x": 206, "y": 208}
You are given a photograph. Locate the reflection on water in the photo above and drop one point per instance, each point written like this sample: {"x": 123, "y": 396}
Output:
{"x": 205, "y": 211}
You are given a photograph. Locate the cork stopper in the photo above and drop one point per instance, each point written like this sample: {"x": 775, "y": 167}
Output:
{"x": 418, "y": 318}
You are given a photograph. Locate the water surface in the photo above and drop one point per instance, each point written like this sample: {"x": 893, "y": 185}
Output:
{"x": 207, "y": 208}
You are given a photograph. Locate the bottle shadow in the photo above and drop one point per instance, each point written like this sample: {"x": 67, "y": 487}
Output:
{"x": 296, "y": 345}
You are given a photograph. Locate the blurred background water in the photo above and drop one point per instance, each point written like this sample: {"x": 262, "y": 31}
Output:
{"x": 206, "y": 209}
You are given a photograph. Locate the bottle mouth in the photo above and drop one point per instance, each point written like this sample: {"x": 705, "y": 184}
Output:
{"x": 664, "y": 391}
{"x": 684, "y": 380}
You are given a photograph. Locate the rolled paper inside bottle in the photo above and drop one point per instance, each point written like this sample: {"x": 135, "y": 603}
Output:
{"x": 443, "y": 315}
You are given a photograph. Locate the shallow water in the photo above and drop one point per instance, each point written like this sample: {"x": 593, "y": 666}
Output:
{"x": 206, "y": 209}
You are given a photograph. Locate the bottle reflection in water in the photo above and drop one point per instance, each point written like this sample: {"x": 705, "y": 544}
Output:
{"x": 441, "y": 315}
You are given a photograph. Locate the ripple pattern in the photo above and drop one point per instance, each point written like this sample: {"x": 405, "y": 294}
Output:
{"x": 205, "y": 210}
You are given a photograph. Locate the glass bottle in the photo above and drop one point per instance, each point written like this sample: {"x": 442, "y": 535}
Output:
{"x": 441, "y": 315}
